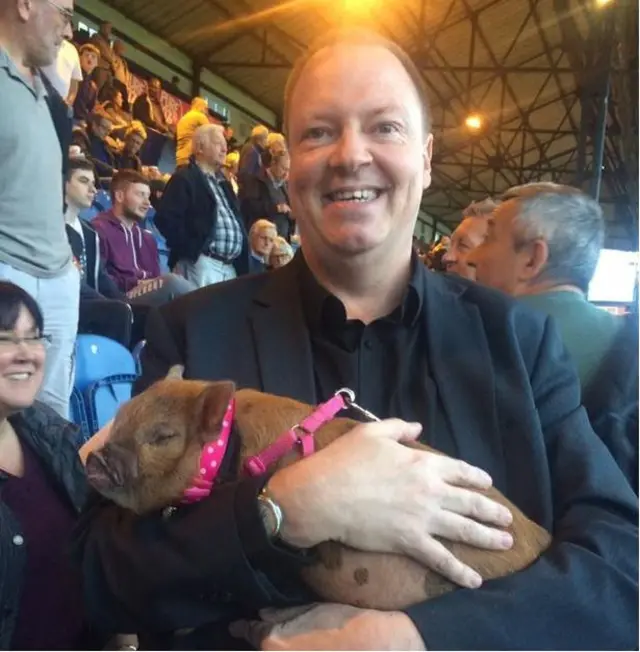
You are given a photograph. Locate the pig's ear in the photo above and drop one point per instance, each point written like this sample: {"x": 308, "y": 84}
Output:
{"x": 176, "y": 372}
{"x": 213, "y": 403}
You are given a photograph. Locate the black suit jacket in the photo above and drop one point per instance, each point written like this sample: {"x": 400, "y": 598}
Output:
{"x": 97, "y": 283}
{"x": 62, "y": 116}
{"x": 257, "y": 202}
{"x": 512, "y": 401}
{"x": 187, "y": 213}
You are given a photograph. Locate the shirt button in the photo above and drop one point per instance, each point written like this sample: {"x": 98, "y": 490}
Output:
{"x": 18, "y": 540}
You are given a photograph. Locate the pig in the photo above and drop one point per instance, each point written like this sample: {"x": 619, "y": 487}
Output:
{"x": 152, "y": 456}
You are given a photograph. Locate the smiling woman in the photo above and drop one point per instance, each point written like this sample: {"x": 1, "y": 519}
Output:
{"x": 42, "y": 487}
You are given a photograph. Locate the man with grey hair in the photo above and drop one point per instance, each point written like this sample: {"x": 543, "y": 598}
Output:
{"x": 262, "y": 236}
{"x": 199, "y": 216}
{"x": 251, "y": 154}
{"x": 35, "y": 133}
{"x": 542, "y": 245}
{"x": 468, "y": 235}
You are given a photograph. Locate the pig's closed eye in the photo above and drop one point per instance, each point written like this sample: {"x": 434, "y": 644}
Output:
{"x": 162, "y": 438}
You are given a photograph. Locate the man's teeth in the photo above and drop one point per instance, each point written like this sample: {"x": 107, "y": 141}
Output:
{"x": 354, "y": 195}
{"x": 21, "y": 376}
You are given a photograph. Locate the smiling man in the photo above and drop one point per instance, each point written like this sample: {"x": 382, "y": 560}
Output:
{"x": 486, "y": 380}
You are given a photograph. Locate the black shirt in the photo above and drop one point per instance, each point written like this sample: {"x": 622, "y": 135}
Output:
{"x": 385, "y": 362}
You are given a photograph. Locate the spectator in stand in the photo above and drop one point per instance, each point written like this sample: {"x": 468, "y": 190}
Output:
{"x": 230, "y": 169}
{"x": 262, "y": 236}
{"x": 232, "y": 143}
{"x": 469, "y": 234}
{"x": 35, "y": 132}
{"x": 121, "y": 74}
{"x": 130, "y": 253}
{"x": 276, "y": 143}
{"x": 104, "y": 72}
{"x": 103, "y": 308}
{"x": 148, "y": 107}
{"x": 114, "y": 108}
{"x": 96, "y": 144}
{"x": 134, "y": 139}
{"x": 66, "y": 74}
{"x": 280, "y": 255}
{"x": 187, "y": 125}
{"x": 265, "y": 194}
{"x": 87, "y": 96}
{"x": 251, "y": 154}
{"x": 199, "y": 216}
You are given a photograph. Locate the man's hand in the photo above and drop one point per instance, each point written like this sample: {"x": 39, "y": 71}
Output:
{"x": 283, "y": 208}
{"x": 329, "y": 627}
{"x": 368, "y": 491}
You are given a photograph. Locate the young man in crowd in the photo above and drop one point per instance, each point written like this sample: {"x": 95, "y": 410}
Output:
{"x": 486, "y": 379}
{"x": 65, "y": 73}
{"x": 87, "y": 96}
{"x": 103, "y": 307}
{"x": 129, "y": 252}
{"x": 35, "y": 132}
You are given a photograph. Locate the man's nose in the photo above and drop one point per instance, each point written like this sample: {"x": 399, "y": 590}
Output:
{"x": 351, "y": 150}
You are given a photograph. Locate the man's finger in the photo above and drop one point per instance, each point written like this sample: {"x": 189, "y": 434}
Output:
{"x": 460, "y": 528}
{"x": 395, "y": 429}
{"x": 436, "y": 557}
{"x": 252, "y": 631}
{"x": 460, "y": 473}
{"x": 476, "y": 506}
{"x": 278, "y": 616}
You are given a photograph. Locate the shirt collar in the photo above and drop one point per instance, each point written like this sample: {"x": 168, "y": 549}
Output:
{"x": 322, "y": 309}
{"x": 6, "y": 63}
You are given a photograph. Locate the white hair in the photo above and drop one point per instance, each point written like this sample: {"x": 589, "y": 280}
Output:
{"x": 259, "y": 131}
{"x": 569, "y": 221}
{"x": 203, "y": 133}
{"x": 261, "y": 225}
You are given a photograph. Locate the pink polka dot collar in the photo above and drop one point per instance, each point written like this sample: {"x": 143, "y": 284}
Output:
{"x": 211, "y": 460}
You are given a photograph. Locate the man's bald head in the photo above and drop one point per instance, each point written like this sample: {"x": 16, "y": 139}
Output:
{"x": 356, "y": 37}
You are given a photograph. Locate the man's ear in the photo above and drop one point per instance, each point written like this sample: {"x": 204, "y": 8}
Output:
{"x": 536, "y": 255}
{"x": 212, "y": 407}
{"x": 427, "y": 153}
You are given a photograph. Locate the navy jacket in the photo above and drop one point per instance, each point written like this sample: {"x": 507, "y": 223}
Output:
{"x": 512, "y": 401}
{"x": 187, "y": 213}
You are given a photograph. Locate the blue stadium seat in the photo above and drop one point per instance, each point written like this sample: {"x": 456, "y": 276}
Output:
{"x": 105, "y": 373}
{"x": 79, "y": 416}
{"x": 99, "y": 357}
{"x": 105, "y": 396}
{"x": 163, "y": 251}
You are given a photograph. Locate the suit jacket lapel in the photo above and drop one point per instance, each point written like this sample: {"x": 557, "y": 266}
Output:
{"x": 462, "y": 368}
{"x": 281, "y": 337}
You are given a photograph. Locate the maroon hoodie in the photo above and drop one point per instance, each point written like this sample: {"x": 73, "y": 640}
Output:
{"x": 130, "y": 255}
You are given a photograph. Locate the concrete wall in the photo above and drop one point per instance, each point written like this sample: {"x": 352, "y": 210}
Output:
{"x": 162, "y": 59}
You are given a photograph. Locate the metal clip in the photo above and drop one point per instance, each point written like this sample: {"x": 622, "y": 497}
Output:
{"x": 349, "y": 397}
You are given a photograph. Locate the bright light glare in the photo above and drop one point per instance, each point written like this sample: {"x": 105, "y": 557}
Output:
{"x": 474, "y": 122}
{"x": 358, "y": 7}
{"x": 603, "y": 3}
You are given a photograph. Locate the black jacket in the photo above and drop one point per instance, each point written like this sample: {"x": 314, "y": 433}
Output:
{"x": 142, "y": 111}
{"x": 611, "y": 400}
{"x": 97, "y": 150}
{"x": 258, "y": 200}
{"x": 512, "y": 401}
{"x": 186, "y": 216}
{"x": 54, "y": 441}
{"x": 96, "y": 283}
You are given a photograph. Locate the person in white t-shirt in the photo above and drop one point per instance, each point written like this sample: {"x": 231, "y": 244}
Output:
{"x": 65, "y": 73}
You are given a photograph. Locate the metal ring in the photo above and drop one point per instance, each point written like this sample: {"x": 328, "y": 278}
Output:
{"x": 348, "y": 394}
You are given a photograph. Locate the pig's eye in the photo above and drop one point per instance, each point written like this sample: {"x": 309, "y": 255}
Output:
{"x": 162, "y": 438}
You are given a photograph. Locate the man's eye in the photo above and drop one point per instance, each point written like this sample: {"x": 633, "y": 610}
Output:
{"x": 161, "y": 438}
{"x": 388, "y": 128}
{"x": 315, "y": 133}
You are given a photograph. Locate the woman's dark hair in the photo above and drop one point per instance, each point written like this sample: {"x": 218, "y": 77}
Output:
{"x": 12, "y": 298}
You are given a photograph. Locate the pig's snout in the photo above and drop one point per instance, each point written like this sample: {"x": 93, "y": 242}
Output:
{"x": 110, "y": 469}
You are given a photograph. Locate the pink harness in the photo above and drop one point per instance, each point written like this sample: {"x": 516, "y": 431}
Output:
{"x": 300, "y": 435}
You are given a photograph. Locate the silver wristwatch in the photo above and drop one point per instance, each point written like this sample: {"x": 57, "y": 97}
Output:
{"x": 270, "y": 513}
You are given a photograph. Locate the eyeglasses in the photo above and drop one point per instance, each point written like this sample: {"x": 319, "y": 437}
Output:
{"x": 9, "y": 340}
{"x": 67, "y": 14}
